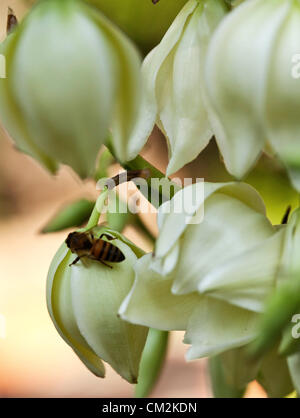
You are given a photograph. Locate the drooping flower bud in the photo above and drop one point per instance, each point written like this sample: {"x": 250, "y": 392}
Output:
{"x": 83, "y": 301}
{"x": 253, "y": 86}
{"x": 70, "y": 76}
{"x": 174, "y": 86}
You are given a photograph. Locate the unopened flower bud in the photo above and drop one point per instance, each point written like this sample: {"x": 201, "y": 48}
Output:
{"x": 83, "y": 301}
{"x": 174, "y": 84}
{"x": 253, "y": 85}
{"x": 71, "y": 75}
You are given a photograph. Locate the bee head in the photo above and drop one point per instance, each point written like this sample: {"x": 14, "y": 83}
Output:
{"x": 78, "y": 241}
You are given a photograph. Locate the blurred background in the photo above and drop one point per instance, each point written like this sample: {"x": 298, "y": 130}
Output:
{"x": 34, "y": 361}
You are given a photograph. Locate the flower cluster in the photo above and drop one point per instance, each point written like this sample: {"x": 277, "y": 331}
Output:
{"x": 213, "y": 279}
{"x": 223, "y": 69}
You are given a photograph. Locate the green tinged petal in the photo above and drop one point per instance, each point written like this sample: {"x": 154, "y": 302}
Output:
{"x": 294, "y": 368}
{"x": 69, "y": 113}
{"x": 150, "y": 71}
{"x": 274, "y": 375}
{"x": 173, "y": 82}
{"x": 128, "y": 89}
{"x": 96, "y": 295}
{"x": 219, "y": 381}
{"x": 71, "y": 76}
{"x": 183, "y": 114}
{"x": 283, "y": 92}
{"x": 61, "y": 311}
{"x": 290, "y": 345}
{"x": 83, "y": 301}
{"x": 236, "y": 78}
{"x": 11, "y": 113}
{"x": 285, "y": 302}
{"x": 239, "y": 368}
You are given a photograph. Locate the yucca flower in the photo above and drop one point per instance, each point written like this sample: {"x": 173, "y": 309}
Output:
{"x": 83, "y": 302}
{"x": 203, "y": 276}
{"x": 71, "y": 75}
{"x": 277, "y": 323}
{"x": 174, "y": 86}
{"x": 212, "y": 279}
{"x": 253, "y": 84}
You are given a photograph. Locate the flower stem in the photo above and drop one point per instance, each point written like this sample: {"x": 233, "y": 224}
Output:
{"x": 160, "y": 191}
{"x": 220, "y": 386}
{"x": 153, "y": 358}
{"x": 95, "y": 215}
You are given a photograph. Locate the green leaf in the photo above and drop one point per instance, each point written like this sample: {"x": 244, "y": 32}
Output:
{"x": 74, "y": 214}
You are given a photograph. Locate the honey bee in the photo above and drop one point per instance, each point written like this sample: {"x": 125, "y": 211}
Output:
{"x": 84, "y": 244}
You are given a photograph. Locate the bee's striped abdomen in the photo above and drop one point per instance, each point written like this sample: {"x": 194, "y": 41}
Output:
{"x": 106, "y": 251}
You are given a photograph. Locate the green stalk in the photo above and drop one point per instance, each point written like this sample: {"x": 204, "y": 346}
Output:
{"x": 157, "y": 342}
{"x": 95, "y": 216}
{"x": 155, "y": 195}
{"x": 220, "y": 387}
{"x": 153, "y": 358}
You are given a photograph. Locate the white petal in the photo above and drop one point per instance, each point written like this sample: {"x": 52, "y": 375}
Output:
{"x": 214, "y": 240}
{"x": 283, "y": 104}
{"x": 151, "y": 303}
{"x": 128, "y": 97}
{"x": 180, "y": 88}
{"x": 72, "y": 128}
{"x": 150, "y": 71}
{"x": 174, "y": 216}
{"x": 97, "y": 293}
{"x": 61, "y": 311}
{"x": 10, "y": 112}
{"x": 290, "y": 261}
{"x": 216, "y": 326}
{"x": 236, "y": 73}
{"x": 247, "y": 279}
{"x": 166, "y": 265}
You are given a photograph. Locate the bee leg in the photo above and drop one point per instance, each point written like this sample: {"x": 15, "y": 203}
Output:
{"x": 107, "y": 265}
{"x": 75, "y": 261}
{"x": 107, "y": 236}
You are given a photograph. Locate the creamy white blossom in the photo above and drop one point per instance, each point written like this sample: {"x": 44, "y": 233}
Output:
{"x": 83, "y": 302}
{"x": 252, "y": 84}
{"x": 71, "y": 75}
{"x": 174, "y": 86}
{"x": 212, "y": 278}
